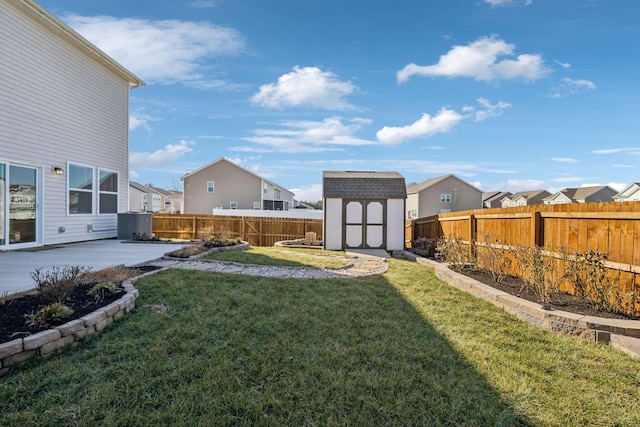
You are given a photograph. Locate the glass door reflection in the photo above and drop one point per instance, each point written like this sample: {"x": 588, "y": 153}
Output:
{"x": 23, "y": 197}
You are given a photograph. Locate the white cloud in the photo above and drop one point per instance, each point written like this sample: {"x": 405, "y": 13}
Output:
{"x": 631, "y": 150}
{"x": 516, "y": 185}
{"x": 306, "y": 87}
{"x": 622, "y": 166}
{"x": 312, "y": 193}
{"x": 167, "y": 51}
{"x": 569, "y": 86}
{"x": 427, "y": 125}
{"x": 564, "y": 65}
{"x": 159, "y": 158}
{"x": 564, "y": 160}
{"x": 479, "y": 60}
{"x": 490, "y": 110}
{"x": 618, "y": 186}
{"x": 569, "y": 179}
{"x": 140, "y": 120}
{"x": 311, "y": 136}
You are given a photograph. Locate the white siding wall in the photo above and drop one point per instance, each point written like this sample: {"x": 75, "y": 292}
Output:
{"x": 59, "y": 106}
{"x": 332, "y": 225}
{"x": 395, "y": 224}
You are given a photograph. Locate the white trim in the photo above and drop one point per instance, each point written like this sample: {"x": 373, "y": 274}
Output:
{"x": 93, "y": 187}
{"x": 116, "y": 193}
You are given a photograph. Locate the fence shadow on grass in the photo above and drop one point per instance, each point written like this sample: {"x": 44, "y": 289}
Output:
{"x": 241, "y": 350}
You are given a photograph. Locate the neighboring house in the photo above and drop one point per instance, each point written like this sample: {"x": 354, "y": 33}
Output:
{"x": 363, "y": 210}
{"x": 225, "y": 185}
{"x": 164, "y": 198}
{"x": 631, "y": 193}
{"x": 176, "y": 201}
{"x": 600, "y": 193}
{"x": 524, "y": 198}
{"x": 493, "y": 199}
{"x": 64, "y": 139}
{"x": 137, "y": 197}
{"x": 443, "y": 194}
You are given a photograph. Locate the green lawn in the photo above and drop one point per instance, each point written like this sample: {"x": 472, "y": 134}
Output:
{"x": 287, "y": 257}
{"x": 399, "y": 349}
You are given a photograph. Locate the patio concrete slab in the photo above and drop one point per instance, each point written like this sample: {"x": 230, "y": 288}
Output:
{"x": 16, "y": 266}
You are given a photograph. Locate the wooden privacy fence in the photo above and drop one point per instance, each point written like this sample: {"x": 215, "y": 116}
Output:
{"x": 258, "y": 231}
{"x": 610, "y": 228}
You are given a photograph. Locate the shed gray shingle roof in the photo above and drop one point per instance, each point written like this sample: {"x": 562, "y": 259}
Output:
{"x": 372, "y": 185}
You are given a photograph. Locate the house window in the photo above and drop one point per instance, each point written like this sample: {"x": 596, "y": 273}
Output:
{"x": 80, "y": 189}
{"x": 108, "y": 192}
{"x": 256, "y": 205}
{"x": 210, "y": 186}
{"x": 264, "y": 187}
{"x": 445, "y": 198}
{"x": 521, "y": 203}
{"x": 445, "y": 210}
{"x": 276, "y": 194}
{"x": 233, "y": 205}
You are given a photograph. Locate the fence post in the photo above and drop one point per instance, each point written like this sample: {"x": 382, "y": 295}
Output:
{"x": 536, "y": 229}
{"x": 194, "y": 233}
{"x": 472, "y": 236}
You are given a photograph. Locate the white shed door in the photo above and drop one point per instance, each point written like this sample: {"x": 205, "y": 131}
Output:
{"x": 364, "y": 224}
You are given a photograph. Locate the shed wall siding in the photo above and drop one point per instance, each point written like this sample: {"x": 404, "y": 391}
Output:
{"x": 60, "y": 106}
{"x": 395, "y": 224}
{"x": 333, "y": 224}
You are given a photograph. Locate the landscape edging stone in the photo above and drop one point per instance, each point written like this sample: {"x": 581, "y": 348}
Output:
{"x": 621, "y": 334}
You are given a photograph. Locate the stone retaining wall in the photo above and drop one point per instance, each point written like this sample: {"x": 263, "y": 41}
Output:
{"x": 46, "y": 343}
{"x": 621, "y": 334}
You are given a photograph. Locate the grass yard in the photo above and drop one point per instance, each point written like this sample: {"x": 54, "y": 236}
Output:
{"x": 287, "y": 257}
{"x": 399, "y": 349}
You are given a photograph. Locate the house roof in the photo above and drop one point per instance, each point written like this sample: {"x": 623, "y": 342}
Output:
{"x": 363, "y": 184}
{"x": 433, "y": 181}
{"x": 526, "y": 194}
{"x": 140, "y": 187}
{"x": 223, "y": 159}
{"x": 494, "y": 195}
{"x": 628, "y": 190}
{"x": 42, "y": 16}
{"x": 578, "y": 193}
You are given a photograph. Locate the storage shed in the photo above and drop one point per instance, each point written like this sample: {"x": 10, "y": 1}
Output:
{"x": 363, "y": 210}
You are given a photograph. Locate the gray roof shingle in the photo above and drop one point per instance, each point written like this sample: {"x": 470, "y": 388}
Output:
{"x": 368, "y": 185}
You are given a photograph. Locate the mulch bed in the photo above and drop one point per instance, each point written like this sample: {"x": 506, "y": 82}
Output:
{"x": 12, "y": 313}
{"x": 559, "y": 301}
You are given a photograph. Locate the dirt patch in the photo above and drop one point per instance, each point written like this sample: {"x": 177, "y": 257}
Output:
{"x": 12, "y": 312}
{"x": 559, "y": 301}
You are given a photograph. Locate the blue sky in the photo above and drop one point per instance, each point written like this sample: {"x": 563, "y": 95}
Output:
{"x": 507, "y": 94}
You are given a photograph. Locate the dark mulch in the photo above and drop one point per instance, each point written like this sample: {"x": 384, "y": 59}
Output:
{"x": 559, "y": 301}
{"x": 12, "y": 313}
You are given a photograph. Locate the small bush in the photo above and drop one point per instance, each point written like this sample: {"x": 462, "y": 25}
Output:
{"x": 48, "y": 315}
{"x": 100, "y": 290}
{"x": 455, "y": 251}
{"x": 537, "y": 271}
{"x": 187, "y": 251}
{"x": 424, "y": 247}
{"x": 144, "y": 237}
{"x": 57, "y": 284}
{"x": 494, "y": 258}
{"x": 117, "y": 274}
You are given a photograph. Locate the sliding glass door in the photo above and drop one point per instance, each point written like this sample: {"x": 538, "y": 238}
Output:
{"x": 19, "y": 205}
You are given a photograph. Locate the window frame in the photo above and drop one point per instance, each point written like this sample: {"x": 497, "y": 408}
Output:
{"x": 233, "y": 205}
{"x": 211, "y": 186}
{"x": 101, "y": 192}
{"x": 445, "y": 198}
{"x": 256, "y": 206}
{"x": 71, "y": 165}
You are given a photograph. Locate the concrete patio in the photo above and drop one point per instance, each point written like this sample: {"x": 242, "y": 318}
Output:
{"x": 16, "y": 266}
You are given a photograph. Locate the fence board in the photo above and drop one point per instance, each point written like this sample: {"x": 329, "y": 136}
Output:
{"x": 258, "y": 231}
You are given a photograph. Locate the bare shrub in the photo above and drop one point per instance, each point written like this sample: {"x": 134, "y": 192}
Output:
{"x": 537, "y": 271}
{"x": 187, "y": 251}
{"x": 494, "y": 258}
{"x": 424, "y": 247}
{"x": 57, "y": 284}
{"x": 455, "y": 252}
{"x": 116, "y": 274}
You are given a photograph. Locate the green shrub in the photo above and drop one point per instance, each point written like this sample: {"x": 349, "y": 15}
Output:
{"x": 100, "y": 290}
{"x": 48, "y": 315}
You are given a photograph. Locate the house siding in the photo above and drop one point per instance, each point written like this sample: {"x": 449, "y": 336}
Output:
{"x": 463, "y": 197}
{"x": 60, "y": 106}
{"x": 228, "y": 179}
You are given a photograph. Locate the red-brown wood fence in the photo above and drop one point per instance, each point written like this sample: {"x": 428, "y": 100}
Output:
{"x": 610, "y": 228}
{"x": 258, "y": 231}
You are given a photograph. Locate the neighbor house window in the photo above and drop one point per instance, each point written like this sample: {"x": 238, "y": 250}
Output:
{"x": 80, "y": 189}
{"x": 445, "y": 198}
{"x": 256, "y": 205}
{"x": 233, "y": 205}
{"x": 264, "y": 187}
{"x": 276, "y": 194}
{"x": 210, "y": 186}
{"x": 108, "y": 192}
